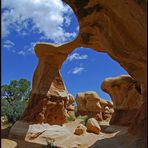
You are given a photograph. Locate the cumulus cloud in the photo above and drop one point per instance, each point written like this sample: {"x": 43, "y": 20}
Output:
{"x": 8, "y": 44}
{"x": 77, "y": 56}
{"x": 45, "y": 17}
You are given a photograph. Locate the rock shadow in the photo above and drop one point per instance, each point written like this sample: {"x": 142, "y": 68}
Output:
{"x": 120, "y": 140}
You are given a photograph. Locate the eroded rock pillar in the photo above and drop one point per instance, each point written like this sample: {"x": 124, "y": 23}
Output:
{"x": 49, "y": 97}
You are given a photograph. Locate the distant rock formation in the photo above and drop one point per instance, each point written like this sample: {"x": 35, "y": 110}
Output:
{"x": 126, "y": 96}
{"x": 89, "y": 103}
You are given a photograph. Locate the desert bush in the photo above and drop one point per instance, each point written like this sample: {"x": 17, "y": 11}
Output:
{"x": 14, "y": 98}
{"x": 70, "y": 118}
{"x": 13, "y": 110}
{"x": 83, "y": 119}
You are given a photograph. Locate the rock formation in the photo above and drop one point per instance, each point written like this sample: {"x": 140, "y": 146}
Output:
{"x": 89, "y": 103}
{"x": 80, "y": 130}
{"x": 126, "y": 96}
{"x": 93, "y": 126}
{"x": 119, "y": 29}
{"x": 115, "y": 27}
{"x": 49, "y": 100}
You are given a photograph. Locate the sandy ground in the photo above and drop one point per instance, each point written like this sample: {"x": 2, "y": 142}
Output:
{"x": 64, "y": 137}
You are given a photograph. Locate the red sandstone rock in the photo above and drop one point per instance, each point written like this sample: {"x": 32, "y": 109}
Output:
{"x": 80, "y": 130}
{"x": 49, "y": 99}
{"x": 93, "y": 126}
{"x": 115, "y": 27}
{"x": 119, "y": 29}
{"x": 126, "y": 96}
{"x": 89, "y": 103}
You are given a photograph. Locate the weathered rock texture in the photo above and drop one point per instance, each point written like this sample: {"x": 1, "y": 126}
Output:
{"x": 115, "y": 27}
{"x": 49, "y": 100}
{"x": 118, "y": 28}
{"x": 80, "y": 130}
{"x": 89, "y": 103}
{"x": 126, "y": 96}
{"x": 93, "y": 126}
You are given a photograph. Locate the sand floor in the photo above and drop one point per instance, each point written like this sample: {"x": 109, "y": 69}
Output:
{"x": 63, "y": 136}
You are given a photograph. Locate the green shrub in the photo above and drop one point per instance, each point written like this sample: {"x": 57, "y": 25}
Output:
{"x": 14, "y": 110}
{"x": 83, "y": 119}
{"x": 71, "y": 118}
{"x": 14, "y": 98}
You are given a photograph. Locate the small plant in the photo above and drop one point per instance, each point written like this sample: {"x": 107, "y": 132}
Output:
{"x": 83, "y": 119}
{"x": 50, "y": 143}
{"x": 71, "y": 118}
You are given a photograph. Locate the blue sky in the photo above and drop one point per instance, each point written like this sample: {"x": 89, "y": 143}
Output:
{"x": 26, "y": 22}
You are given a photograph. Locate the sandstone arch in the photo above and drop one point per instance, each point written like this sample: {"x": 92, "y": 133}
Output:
{"x": 115, "y": 27}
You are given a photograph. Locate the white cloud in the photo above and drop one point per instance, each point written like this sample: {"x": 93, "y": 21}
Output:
{"x": 77, "y": 70}
{"x": 77, "y": 56}
{"x": 67, "y": 20}
{"x": 27, "y": 50}
{"x": 21, "y": 52}
{"x": 8, "y": 44}
{"x": 45, "y": 16}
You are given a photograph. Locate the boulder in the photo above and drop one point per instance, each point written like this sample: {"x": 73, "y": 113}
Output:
{"x": 80, "y": 130}
{"x": 38, "y": 133}
{"x": 126, "y": 96}
{"x": 110, "y": 130}
{"x": 93, "y": 126}
{"x": 7, "y": 143}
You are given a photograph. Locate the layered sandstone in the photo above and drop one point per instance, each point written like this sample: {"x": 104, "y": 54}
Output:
{"x": 89, "y": 103}
{"x": 49, "y": 100}
{"x": 115, "y": 27}
{"x": 119, "y": 29}
{"x": 126, "y": 96}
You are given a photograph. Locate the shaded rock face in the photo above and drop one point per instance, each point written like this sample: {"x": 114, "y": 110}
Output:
{"x": 124, "y": 91}
{"x": 126, "y": 96}
{"x": 115, "y": 27}
{"x": 89, "y": 103}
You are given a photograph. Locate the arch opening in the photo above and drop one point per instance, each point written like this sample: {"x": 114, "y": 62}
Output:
{"x": 85, "y": 69}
